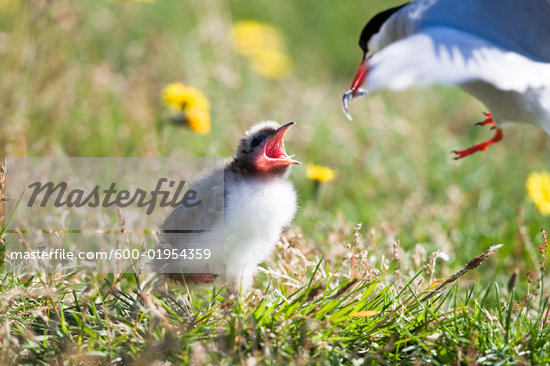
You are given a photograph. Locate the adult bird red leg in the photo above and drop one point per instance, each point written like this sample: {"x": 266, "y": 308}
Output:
{"x": 486, "y": 121}
{"x": 483, "y": 145}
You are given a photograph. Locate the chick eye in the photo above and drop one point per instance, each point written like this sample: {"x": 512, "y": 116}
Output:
{"x": 256, "y": 141}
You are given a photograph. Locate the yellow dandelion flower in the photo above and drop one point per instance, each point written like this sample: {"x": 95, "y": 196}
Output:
{"x": 251, "y": 36}
{"x": 319, "y": 173}
{"x": 191, "y": 103}
{"x": 8, "y": 5}
{"x": 263, "y": 44}
{"x": 538, "y": 189}
{"x": 271, "y": 64}
{"x": 198, "y": 120}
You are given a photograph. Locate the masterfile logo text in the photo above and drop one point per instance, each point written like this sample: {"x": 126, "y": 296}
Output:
{"x": 106, "y": 214}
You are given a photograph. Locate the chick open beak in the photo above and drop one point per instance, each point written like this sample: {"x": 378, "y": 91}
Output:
{"x": 274, "y": 150}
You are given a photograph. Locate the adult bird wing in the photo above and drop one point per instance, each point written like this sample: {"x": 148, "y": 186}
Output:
{"x": 442, "y": 55}
{"x": 519, "y": 26}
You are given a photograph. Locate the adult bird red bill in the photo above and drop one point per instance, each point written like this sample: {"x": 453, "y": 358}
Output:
{"x": 496, "y": 50}
{"x": 258, "y": 202}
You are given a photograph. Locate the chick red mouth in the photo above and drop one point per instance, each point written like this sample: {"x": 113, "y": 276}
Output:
{"x": 274, "y": 150}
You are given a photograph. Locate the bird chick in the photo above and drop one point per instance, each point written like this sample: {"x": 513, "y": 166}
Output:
{"x": 257, "y": 200}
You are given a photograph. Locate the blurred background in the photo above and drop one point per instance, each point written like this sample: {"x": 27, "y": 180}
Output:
{"x": 86, "y": 78}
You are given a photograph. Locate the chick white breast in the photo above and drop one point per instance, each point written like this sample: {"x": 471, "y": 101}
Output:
{"x": 256, "y": 211}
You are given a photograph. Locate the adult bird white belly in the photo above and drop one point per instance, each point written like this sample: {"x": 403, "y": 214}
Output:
{"x": 496, "y": 50}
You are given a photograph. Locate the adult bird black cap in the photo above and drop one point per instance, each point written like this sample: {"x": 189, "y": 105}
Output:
{"x": 496, "y": 50}
{"x": 373, "y": 27}
{"x": 258, "y": 202}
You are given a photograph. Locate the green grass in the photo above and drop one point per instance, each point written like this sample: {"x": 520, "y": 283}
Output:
{"x": 314, "y": 317}
{"x": 84, "y": 79}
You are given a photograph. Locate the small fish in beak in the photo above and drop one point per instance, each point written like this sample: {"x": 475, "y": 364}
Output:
{"x": 356, "y": 91}
{"x": 348, "y": 95}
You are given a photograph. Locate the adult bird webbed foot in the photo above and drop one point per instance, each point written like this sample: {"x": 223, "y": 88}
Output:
{"x": 459, "y": 154}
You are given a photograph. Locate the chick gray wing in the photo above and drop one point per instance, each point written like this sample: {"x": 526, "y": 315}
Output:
{"x": 204, "y": 216}
{"x": 193, "y": 227}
